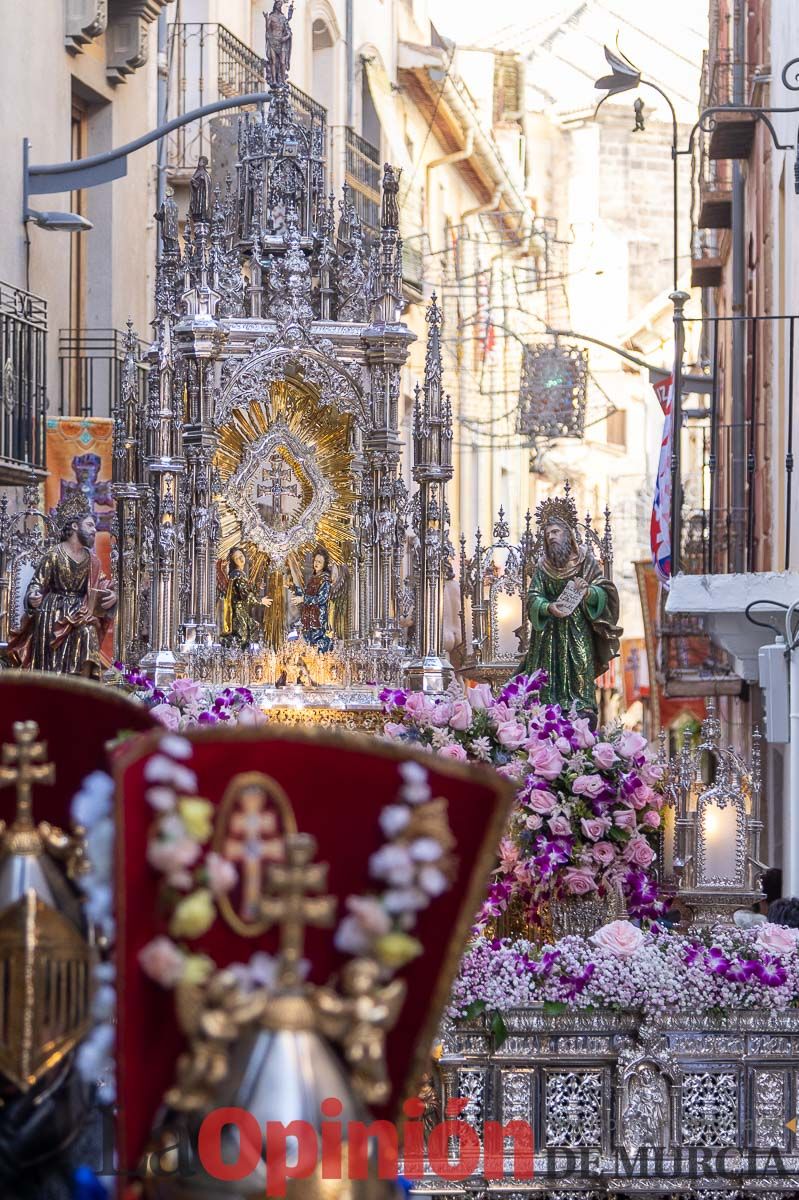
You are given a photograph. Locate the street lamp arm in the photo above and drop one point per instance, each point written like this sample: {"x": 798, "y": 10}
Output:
{"x": 40, "y": 179}
{"x": 708, "y": 115}
{"x": 576, "y": 337}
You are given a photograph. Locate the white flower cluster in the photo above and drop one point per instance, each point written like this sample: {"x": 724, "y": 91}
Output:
{"x": 410, "y": 869}
{"x": 92, "y": 808}
{"x": 621, "y": 967}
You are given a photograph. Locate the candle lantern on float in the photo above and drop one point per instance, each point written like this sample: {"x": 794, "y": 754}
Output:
{"x": 710, "y": 844}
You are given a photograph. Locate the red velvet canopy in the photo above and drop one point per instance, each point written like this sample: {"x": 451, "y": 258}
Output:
{"x": 77, "y": 719}
{"x": 337, "y": 785}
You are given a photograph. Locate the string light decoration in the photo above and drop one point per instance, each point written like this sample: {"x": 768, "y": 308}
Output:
{"x": 553, "y": 390}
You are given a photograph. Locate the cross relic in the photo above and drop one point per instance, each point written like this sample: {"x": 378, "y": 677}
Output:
{"x": 248, "y": 844}
{"x": 278, "y": 477}
{"x": 292, "y": 906}
{"x": 23, "y": 764}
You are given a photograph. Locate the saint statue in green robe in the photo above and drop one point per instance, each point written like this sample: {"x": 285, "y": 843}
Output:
{"x": 573, "y": 611}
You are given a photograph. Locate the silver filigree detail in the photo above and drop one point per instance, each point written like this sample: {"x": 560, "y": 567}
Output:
{"x": 710, "y": 1109}
{"x": 573, "y": 1108}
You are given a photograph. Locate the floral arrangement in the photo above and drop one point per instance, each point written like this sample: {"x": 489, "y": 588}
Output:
{"x": 92, "y": 808}
{"x": 587, "y": 810}
{"x": 187, "y": 704}
{"x": 623, "y": 967}
{"x": 411, "y": 869}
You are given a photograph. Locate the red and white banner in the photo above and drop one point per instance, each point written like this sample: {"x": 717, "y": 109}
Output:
{"x": 660, "y": 527}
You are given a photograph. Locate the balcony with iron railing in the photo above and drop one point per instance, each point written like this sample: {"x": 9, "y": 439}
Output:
{"x": 362, "y": 172}
{"x": 90, "y": 367}
{"x": 711, "y": 197}
{"x": 729, "y": 81}
{"x": 23, "y": 384}
{"x": 737, "y": 494}
{"x": 207, "y": 62}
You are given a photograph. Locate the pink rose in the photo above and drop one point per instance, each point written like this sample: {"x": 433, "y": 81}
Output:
{"x": 185, "y": 691}
{"x": 564, "y": 745}
{"x": 511, "y": 770}
{"x": 534, "y": 821}
{"x": 560, "y": 826}
{"x": 546, "y": 761}
{"x": 480, "y": 696}
{"x": 621, "y": 938}
{"x": 501, "y": 712}
{"x": 639, "y": 852}
{"x": 593, "y": 827}
{"x": 582, "y": 733}
{"x": 166, "y": 715}
{"x": 454, "y": 750}
{"x": 604, "y": 755}
{"x": 250, "y": 715}
{"x": 161, "y": 798}
{"x": 579, "y": 881}
{"x": 392, "y": 729}
{"x": 169, "y": 855}
{"x": 652, "y": 772}
{"x": 511, "y": 734}
{"x": 222, "y": 875}
{"x": 418, "y": 706}
{"x": 461, "y": 717}
{"x": 651, "y": 819}
{"x": 777, "y": 939}
{"x": 624, "y": 818}
{"x": 370, "y": 914}
{"x": 440, "y": 714}
{"x": 541, "y": 801}
{"x": 508, "y": 855}
{"x": 588, "y": 785}
{"x": 603, "y": 853}
{"x": 630, "y": 745}
{"x": 162, "y": 961}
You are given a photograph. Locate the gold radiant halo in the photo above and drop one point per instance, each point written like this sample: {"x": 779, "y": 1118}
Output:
{"x": 326, "y": 434}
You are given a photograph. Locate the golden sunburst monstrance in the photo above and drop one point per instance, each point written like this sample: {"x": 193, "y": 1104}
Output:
{"x": 291, "y": 427}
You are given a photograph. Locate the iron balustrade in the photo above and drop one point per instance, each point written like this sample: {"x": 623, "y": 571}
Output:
{"x": 736, "y": 476}
{"x": 23, "y": 376}
{"x": 207, "y": 62}
{"x": 90, "y": 364}
{"x": 362, "y": 174}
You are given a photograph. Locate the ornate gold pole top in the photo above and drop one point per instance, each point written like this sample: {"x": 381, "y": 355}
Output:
{"x": 293, "y": 906}
{"x": 24, "y": 764}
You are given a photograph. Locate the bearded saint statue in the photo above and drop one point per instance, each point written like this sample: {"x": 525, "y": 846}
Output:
{"x": 69, "y": 603}
{"x": 573, "y": 610}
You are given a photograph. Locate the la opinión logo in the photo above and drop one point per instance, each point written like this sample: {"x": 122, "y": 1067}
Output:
{"x": 355, "y": 1150}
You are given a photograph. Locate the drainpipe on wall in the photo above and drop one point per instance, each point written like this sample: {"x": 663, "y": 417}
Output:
{"x": 350, "y": 39}
{"x": 738, "y": 432}
{"x": 162, "y": 100}
{"x": 456, "y": 157}
{"x": 492, "y": 205}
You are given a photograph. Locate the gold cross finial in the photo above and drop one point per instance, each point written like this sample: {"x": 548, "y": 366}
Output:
{"x": 291, "y": 904}
{"x": 24, "y": 764}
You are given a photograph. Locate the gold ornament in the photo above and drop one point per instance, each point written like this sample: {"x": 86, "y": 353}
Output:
{"x": 45, "y": 958}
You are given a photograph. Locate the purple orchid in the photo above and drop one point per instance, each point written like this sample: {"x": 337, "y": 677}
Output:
{"x": 742, "y": 970}
{"x": 770, "y": 971}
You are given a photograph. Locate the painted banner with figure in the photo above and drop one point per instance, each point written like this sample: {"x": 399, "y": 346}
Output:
{"x": 660, "y": 528}
{"x": 79, "y": 459}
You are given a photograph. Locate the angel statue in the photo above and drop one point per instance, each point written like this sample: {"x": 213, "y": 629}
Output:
{"x": 359, "y": 1022}
{"x": 573, "y": 611}
{"x": 314, "y": 600}
{"x": 69, "y": 603}
{"x": 242, "y": 609}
